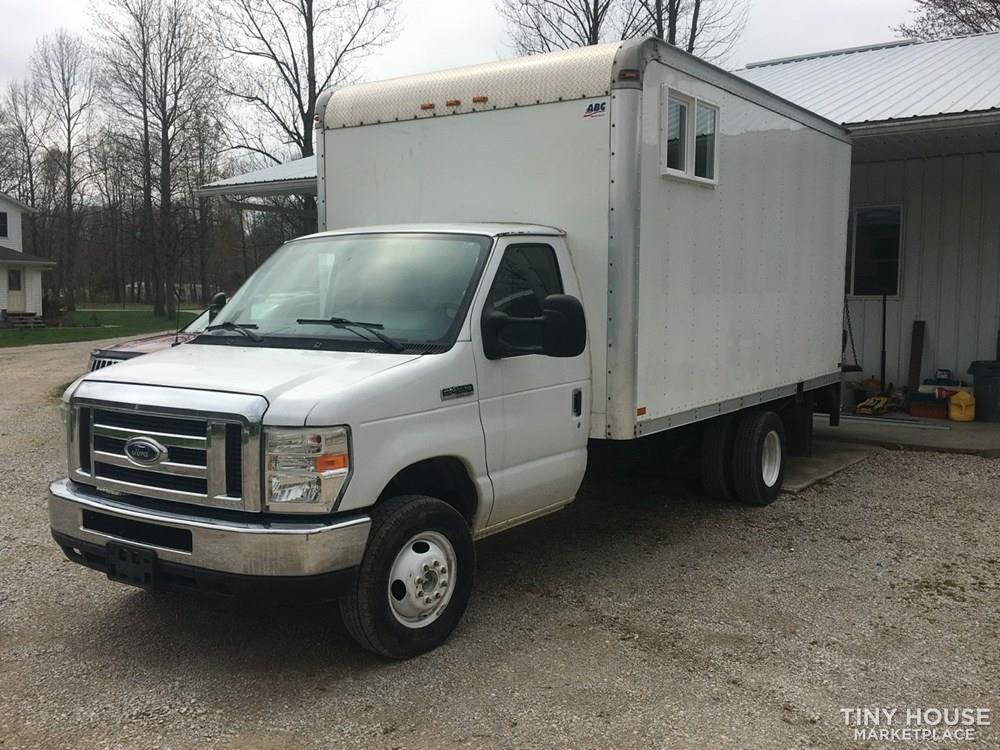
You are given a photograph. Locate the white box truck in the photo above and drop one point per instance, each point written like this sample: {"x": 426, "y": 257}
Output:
{"x": 518, "y": 257}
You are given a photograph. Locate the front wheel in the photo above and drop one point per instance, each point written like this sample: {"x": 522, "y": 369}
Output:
{"x": 415, "y": 579}
{"x": 759, "y": 457}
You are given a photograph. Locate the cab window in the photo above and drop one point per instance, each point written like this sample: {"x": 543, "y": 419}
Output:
{"x": 527, "y": 274}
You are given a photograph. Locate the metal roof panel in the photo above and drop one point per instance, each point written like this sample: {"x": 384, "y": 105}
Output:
{"x": 897, "y": 80}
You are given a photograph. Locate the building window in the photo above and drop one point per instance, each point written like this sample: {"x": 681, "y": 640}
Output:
{"x": 676, "y": 134}
{"x": 689, "y": 137}
{"x": 704, "y": 141}
{"x": 3, "y": 223}
{"x": 874, "y": 263}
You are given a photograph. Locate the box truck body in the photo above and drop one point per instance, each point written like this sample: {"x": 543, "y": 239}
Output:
{"x": 703, "y": 295}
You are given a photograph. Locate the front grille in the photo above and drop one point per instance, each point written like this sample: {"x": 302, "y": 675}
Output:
{"x": 190, "y": 485}
{"x": 190, "y": 458}
{"x": 151, "y": 423}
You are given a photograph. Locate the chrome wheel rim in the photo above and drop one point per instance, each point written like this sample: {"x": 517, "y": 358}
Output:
{"x": 421, "y": 579}
{"x": 770, "y": 459}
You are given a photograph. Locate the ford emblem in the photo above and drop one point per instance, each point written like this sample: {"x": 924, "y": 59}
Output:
{"x": 144, "y": 451}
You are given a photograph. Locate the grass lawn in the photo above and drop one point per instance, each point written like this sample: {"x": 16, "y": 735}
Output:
{"x": 90, "y": 325}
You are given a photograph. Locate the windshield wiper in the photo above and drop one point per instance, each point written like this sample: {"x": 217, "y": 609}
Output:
{"x": 243, "y": 328}
{"x": 372, "y": 328}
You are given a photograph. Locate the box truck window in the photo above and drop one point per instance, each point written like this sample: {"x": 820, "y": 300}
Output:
{"x": 526, "y": 276}
{"x": 689, "y": 126}
{"x": 704, "y": 143}
{"x": 676, "y": 135}
{"x": 873, "y": 268}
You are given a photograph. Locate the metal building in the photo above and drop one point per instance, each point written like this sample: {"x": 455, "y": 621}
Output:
{"x": 925, "y": 191}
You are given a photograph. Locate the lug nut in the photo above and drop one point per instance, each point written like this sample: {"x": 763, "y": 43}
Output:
{"x": 444, "y": 583}
{"x": 426, "y": 567}
{"x": 419, "y": 581}
{"x": 436, "y": 564}
{"x": 437, "y": 595}
{"x": 443, "y": 571}
{"x": 428, "y": 600}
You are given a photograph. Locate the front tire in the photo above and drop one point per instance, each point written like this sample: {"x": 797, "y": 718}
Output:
{"x": 415, "y": 579}
{"x": 759, "y": 457}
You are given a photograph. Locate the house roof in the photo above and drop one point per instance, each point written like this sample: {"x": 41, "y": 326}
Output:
{"x": 293, "y": 177}
{"x": 16, "y": 202}
{"x": 9, "y": 255}
{"x": 890, "y": 82}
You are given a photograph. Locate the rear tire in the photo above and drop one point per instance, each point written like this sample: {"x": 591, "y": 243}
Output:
{"x": 396, "y": 609}
{"x": 759, "y": 457}
{"x": 717, "y": 457}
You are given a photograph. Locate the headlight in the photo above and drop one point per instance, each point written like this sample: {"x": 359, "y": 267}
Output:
{"x": 305, "y": 468}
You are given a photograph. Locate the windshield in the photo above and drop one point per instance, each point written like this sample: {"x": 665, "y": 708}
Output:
{"x": 198, "y": 324}
{"x": 413, "y": 289}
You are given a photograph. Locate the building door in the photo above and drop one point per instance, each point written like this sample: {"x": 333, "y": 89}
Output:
{"x": 15, "y": 290}
{"x": 535, "y": 409}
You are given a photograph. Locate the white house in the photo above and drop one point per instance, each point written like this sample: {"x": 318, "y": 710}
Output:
{"x": 20, "y": 272}
{"x": 925, "y": 194}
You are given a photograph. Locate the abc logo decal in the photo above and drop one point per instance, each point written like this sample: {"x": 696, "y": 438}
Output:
{"x": 596, "y": 110}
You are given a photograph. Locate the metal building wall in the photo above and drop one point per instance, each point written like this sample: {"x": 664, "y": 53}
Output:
{"x": 950, "y": 262}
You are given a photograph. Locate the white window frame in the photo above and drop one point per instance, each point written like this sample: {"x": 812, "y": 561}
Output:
{"x": 854, "y": 248}
{"x": 688, "y": 102}
{"x": 692, "y": 103}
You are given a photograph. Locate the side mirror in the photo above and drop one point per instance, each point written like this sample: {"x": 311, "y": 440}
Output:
{"x": 562, "y": 323}
{"x": 217, "y": 303}
{"x": 565, "y": 329}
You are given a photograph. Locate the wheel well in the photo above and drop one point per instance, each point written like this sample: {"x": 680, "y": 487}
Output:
{"x": 444, "y": 477}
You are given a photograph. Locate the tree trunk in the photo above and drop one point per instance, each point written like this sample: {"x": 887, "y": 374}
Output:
{"x": 693, "y": 35}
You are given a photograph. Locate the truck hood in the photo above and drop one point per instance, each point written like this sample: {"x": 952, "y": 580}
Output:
{"x": 272, "y": 373}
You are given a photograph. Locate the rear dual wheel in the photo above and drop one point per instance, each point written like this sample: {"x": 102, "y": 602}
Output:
{"x": 743, "y": 457}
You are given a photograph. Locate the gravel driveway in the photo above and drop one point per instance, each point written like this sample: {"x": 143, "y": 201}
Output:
{"x": 643, "y": 616}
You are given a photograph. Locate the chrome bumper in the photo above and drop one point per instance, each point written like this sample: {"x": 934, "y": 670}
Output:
{"x": 255, "y": 549}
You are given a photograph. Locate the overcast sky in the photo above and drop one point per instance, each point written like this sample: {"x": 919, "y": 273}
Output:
{"x": 436, "y": 34}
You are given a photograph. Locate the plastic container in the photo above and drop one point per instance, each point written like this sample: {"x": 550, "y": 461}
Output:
{"x": 962, "y": 407}
{"x": 986, "y": 374}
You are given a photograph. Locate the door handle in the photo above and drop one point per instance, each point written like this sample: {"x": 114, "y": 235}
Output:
{"x": 577, "y": 402}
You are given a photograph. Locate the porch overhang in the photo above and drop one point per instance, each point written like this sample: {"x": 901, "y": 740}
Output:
{"x": 923, "y": 137}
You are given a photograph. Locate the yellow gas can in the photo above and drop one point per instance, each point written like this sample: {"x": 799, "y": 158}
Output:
{"x": 962, "y": 407}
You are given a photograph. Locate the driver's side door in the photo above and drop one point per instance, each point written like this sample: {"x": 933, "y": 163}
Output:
{"x": 535, "y": 409}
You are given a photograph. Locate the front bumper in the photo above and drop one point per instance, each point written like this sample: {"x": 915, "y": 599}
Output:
{"x": 264, "y": 549}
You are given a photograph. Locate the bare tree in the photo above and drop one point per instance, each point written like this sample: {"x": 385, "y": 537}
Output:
{"x": 284, "y": 53}
{"x": 545, "y": 25}
{"x": 157, "y": 64}
{"x": 707, "y": 28}
{"x": 126, "y": 28}
{"x": 23, "y": 121}
{"x": 182, "y": 87}
{"x": 935, "y": 19}
{"x": 62, "y": 67}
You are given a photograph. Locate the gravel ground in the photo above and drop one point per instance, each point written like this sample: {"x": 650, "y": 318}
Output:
{"x": 643, "y": 616}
